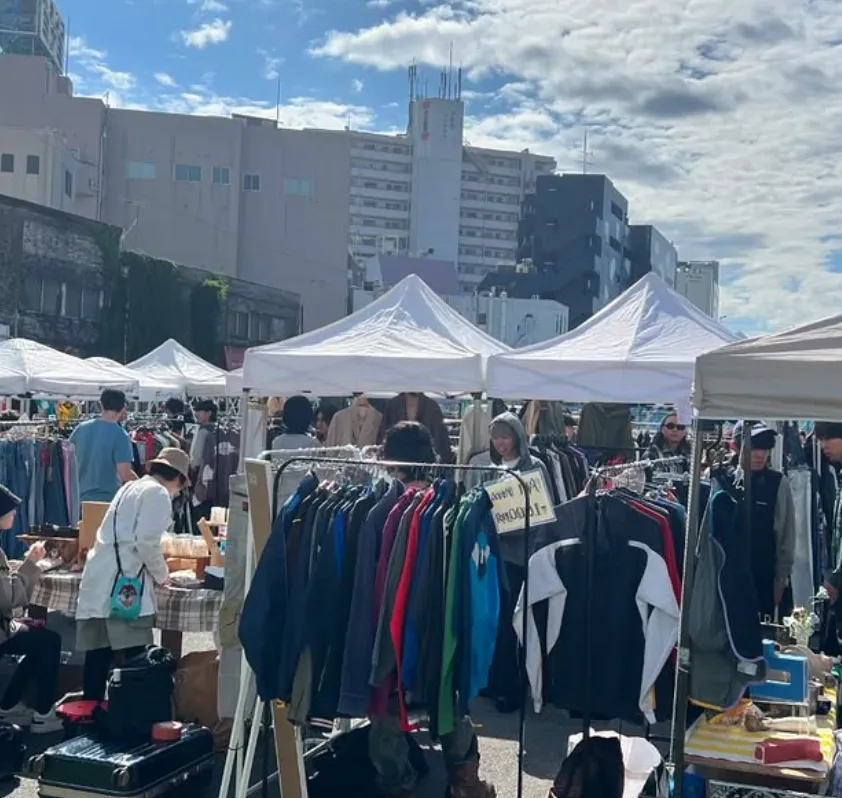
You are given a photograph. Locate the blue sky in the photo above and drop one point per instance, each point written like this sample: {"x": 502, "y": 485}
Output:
{"x": 720, "y": 121}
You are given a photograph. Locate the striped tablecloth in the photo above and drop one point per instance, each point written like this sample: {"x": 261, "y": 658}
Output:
{"x": 179, "y": 609}
{"x": 736, "y": 744}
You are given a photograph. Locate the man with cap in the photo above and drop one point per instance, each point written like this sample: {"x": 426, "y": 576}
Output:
{"x": 38, "y": 647}
{"x": 772, "y": 524}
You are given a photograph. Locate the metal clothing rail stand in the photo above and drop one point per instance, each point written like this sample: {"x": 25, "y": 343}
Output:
{"x": 588, "y": 542}
{"x": 682, "y": 675}
{"x": 437, "y": 469}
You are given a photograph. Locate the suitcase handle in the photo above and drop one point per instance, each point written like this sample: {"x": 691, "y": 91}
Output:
{"x": 121, "y": 777}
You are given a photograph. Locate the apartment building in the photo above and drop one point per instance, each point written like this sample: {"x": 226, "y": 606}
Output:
{"x": 699, "y": 282}
{"x": 650, "y": 250}
{"x": 429, "y": 193}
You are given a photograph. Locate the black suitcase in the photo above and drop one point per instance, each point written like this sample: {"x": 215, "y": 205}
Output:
{"x": 86, "y": 766}
{"x": 12, "y": 750}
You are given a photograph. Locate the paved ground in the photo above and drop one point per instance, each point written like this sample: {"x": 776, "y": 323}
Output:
{"x": 546, "y": 744}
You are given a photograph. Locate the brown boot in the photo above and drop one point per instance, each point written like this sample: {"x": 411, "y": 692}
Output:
{"x": 464, "y": 782}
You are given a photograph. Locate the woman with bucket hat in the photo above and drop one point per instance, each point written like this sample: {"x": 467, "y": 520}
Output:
{"x": 116, "y": 608}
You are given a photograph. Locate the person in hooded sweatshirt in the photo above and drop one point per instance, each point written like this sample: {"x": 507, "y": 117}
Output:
{"x": 509, "y": 448}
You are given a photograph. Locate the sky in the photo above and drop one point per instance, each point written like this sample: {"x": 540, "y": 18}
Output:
{"x": 720, "y": 121}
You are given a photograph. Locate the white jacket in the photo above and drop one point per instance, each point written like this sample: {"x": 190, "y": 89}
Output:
{"x": 143, "y": 513}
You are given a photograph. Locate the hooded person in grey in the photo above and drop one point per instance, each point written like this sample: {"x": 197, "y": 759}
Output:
{"x": 509, "y": 448}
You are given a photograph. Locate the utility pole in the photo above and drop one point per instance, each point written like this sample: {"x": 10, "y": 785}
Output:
{"x": 585, "y": 154}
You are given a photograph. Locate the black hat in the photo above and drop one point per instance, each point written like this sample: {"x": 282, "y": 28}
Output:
{"x": 762, "y": 436}
{"x": 8, "y": 501}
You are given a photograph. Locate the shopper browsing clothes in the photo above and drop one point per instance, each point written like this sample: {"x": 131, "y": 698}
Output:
{"x": 324, "y": 417}
{"x": 772, "y": 524}
{"x": 39, "y": 647}
{"x": 670, "y": 441}
{"x": 203, "y": 459}
{"x": 508, "y": 447}
{"x": 298, "y": 419}
{"x": 103, "y": 450}
{"x": 116, "y": 607}
{"x": 410, "y": 442}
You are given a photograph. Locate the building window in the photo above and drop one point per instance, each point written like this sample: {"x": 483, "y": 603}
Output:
{"x": 221, "y": 176}
{"x": 72, "y": 301}
{"x": 31, "y": 299}
{"x": 51, "y": 303}
{"x": 617, "y": 211}
{"x": 91, "y": 303}
{"x": 7, "y": 162}
{"x": 251, "y": 182}
{"x": 68, "y": 183}
{"x": 140, "y": 170}
{"x": 33, "y": 165}
{"x": 300, "y": 188}
{"x": 188, "y": 173}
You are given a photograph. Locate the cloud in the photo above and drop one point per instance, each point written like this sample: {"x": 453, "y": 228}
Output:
{"x": 379, "y": 3}
{"x": 164, "y": 79}
{"x": 357, "y": 85}
{"x": 718, "y": 122}
{"x": 209, "y": 6}
{"x": 214, "y": 32}
{"x": 88, "y": 65}
{"x": 271, "y": 65}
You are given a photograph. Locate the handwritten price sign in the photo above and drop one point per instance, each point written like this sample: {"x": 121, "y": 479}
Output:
{"x": 507, "y": 502}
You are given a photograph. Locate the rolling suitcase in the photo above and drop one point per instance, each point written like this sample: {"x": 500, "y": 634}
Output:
{"x": 85, "y": 766}
{"x": 12, "y": 750}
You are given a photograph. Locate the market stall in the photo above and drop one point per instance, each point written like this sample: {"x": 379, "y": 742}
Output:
{"x": 407, "y": 340}
{"x": 173, "y": 370}
{"x": 792, "y": 374}
{"x": 639, "y": 348}
{"x": 29, "y": 367}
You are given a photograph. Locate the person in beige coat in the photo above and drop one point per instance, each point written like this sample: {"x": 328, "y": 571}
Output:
{"x": 356, "y": 425}
{"x": 38, "y": 647}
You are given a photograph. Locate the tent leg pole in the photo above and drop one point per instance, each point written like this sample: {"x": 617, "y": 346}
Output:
{"x": 244, "y": 417}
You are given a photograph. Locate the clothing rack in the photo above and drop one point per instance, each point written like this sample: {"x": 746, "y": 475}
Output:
{"x": 438, "y": 469}
{"x": 588, "y": 542}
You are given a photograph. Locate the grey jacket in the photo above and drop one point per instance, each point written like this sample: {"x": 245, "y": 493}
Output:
{"x": 511, "y": 545}
{"x": 16, "y": 589}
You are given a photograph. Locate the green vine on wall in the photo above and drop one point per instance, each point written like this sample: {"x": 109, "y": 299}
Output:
{"x": 112, "y": 331}
{"x": 207, "y": 301}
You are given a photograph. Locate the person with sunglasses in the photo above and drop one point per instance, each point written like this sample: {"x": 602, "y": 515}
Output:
{"x": 670, "y": 441}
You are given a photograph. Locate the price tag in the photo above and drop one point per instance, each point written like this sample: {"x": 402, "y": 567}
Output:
{"x": 507, "y": 502}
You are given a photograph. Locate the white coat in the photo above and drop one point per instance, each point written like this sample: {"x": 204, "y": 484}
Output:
{"x": 143, "y": 513}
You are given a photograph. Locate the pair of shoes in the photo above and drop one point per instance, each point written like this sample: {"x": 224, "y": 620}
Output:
{"x": 464, "y": 782}
{"x": 19, "y": 714}
{"x": 48, "y": 723}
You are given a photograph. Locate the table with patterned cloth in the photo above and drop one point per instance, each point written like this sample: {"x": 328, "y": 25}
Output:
{"x": 179, "y": 609}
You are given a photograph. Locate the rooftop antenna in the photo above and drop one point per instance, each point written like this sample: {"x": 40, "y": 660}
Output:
{"x": 586, "y": 155}
{"x": 450, "y": 74}
{"x": 278, "y": 102}
{"x": 459, "y": 83}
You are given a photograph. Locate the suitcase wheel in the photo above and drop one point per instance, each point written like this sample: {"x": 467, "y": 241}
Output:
{"x": 121, "y": 777}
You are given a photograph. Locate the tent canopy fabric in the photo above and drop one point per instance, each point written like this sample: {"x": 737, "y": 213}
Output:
{"x": 639, "y": 348}
{"x": 27, "y": 366}
{"x": 170, "y": 369}
{"x": 406, "y": 340}
{"x": 792, "y": 374}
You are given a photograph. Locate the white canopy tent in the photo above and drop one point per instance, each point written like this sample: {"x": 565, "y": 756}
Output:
{"x": 172, "y": 370}
{"x": 791, "y": 374}
{"x": 407, "y": 340}
{"x": 640, "y": 348}
{"x": 27, "y": 366}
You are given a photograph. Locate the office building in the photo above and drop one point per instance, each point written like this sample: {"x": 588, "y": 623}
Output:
{"x": 573, "y": 231}
{"x": 276, "y": 206}
{"x": 649, "y": 250}
{"x": 33, "y": 27}
{"x": 699, "y": 282}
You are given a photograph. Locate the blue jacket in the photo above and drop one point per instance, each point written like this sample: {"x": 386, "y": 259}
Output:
{"x": 265, "y": 606}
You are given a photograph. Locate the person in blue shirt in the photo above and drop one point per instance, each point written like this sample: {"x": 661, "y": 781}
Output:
{"x": 103, "y": 451}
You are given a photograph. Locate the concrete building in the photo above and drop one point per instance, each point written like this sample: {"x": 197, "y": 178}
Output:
{"x": 52, "y": 270}
{"x": 33, "y": 27}
{"x": 699, "y": 282}
{"x": 275, "y": 206}
{"x": 649, "y": 250}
